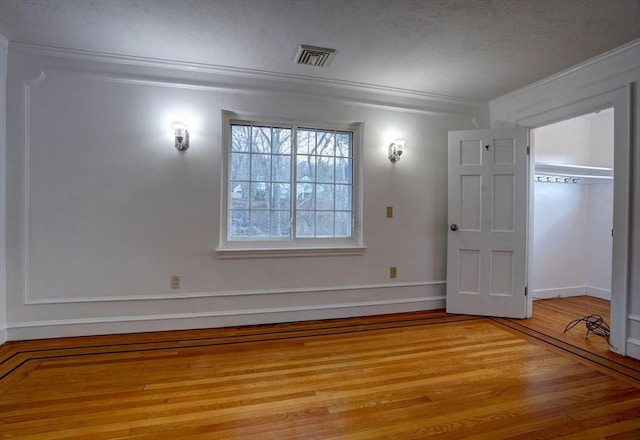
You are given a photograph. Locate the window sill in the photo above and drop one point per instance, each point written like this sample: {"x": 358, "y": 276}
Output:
{"x": 240, "y": 253}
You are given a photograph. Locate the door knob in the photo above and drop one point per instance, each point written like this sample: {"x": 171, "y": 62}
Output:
{"x": 454, "y": 227}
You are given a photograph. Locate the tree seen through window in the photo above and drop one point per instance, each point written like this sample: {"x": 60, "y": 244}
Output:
{"x": 290, "y": 182}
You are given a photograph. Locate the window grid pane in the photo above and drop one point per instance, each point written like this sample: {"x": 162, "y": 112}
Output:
{"x": 324, "y": 189}
{"x": 260, "y": 185}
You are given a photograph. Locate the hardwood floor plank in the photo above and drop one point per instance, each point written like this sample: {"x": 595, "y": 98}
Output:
{"x": 549, "y": 320}
{"x": 401, "y": 376}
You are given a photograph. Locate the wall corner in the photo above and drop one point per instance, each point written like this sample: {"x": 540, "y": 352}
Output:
{"x": 4, "y": 46}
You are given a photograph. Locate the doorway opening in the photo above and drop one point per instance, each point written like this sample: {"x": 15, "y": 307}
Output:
{"x": 573, "y": 198}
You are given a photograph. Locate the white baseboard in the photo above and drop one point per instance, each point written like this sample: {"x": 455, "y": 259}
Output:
{"x": 563, "y": 292}
{"x": 633, "y": 348}
{"x": 559, "y": 292}
{"x": 4, "y": 336}
{"x": 599, "y": 293}
{"x": 214, "y": 319}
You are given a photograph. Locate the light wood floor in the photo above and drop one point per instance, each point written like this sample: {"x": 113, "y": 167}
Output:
{"x": 550, "y": 317}
{"x": 407, "y": 376}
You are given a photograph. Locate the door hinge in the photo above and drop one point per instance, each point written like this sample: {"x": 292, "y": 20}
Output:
{"x": 526, "y": 291}
{"x": 528, "y": 150}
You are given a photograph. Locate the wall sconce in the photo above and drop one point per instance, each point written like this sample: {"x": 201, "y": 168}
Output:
{"x": 182, "y": 135}
{"x": 396, "y": 149}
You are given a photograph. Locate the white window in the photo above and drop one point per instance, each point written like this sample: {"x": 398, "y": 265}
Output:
{"x": 290, "y": 187}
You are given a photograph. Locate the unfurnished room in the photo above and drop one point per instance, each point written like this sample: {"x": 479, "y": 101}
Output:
{"x": 319, "y": 219}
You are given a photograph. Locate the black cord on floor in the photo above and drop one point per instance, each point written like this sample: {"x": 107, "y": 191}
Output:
{"x": 595, "y": 324}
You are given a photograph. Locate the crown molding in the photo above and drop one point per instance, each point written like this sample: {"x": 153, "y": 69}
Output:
{"x": 212, "y": 69}
{"x": 633, "y": 45}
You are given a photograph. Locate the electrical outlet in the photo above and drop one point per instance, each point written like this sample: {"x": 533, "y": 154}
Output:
{"x": 389, "y": 211}
{"x": 175, "y": 281}
{"x": 393, "y": 272}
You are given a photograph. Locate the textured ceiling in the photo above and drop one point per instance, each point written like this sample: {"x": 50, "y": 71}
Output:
{"x": 478, "y": 49}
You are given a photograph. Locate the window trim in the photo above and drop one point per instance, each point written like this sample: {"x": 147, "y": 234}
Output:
{"x": 294, "y": 247}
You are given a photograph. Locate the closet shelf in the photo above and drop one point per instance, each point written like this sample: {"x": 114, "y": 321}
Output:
{"x": 554, "y": 173}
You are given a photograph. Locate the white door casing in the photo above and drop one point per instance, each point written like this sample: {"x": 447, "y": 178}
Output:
{"x": 620, "y": 99}
{"x": 488, "y": 220}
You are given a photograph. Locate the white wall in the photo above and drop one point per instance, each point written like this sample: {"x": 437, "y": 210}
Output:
{"x": 3, "y": 130}
{"x": 559, "y": 262}
{"x": 103, "y": 209}
{"x": 601, "y": 138}
{"x": 572, "y": 231}
{"x": 600, "y": 210}
{"x": 608, "y": 80}
{"x": 563, "y": 143}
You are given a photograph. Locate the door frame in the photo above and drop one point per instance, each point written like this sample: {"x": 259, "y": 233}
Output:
{"x": 620, "y": 100}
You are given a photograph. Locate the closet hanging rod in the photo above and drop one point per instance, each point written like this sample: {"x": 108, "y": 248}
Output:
{"x": 577, "y": 176}
{"x": 569, "y": 178}
{"x": 556, "y": 179}
{"x": 573, "y": 170}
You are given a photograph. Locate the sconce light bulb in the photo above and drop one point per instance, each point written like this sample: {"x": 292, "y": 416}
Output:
{"x": 396, "y": 149}
{"x": 181, "y": 136}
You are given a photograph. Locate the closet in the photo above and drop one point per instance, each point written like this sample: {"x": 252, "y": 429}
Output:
{"x": 573, "y": 207}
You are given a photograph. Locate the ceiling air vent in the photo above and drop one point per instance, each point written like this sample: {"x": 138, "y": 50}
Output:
{"x": 314, "y": 56}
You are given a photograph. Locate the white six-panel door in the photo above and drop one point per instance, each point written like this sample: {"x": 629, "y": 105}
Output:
{"x": 487, "y": 212}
